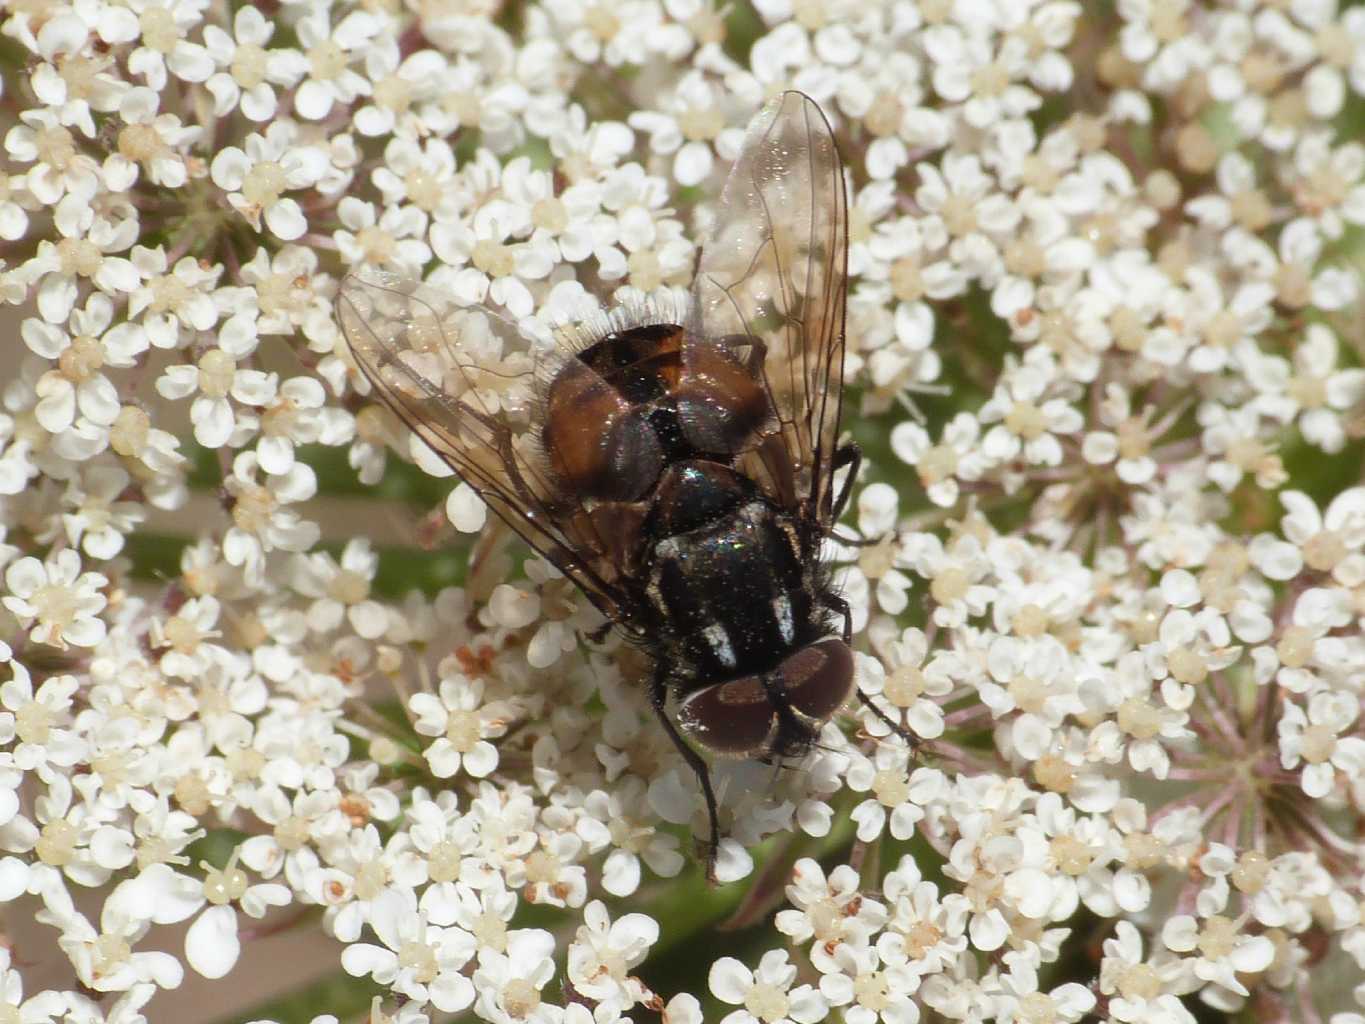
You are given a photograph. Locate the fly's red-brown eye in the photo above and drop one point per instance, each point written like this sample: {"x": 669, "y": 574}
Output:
{"x": 818, "y": 679}
{"x": 777, "y": 713}
{"x": 735, "y": 718}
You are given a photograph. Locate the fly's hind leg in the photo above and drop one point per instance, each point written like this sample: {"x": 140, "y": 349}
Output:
{"x": 658, "y": 700}
{"x": 841, "y": 607}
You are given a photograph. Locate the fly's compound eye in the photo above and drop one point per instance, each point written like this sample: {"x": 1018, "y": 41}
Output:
{"x": 734, "y": 718}
{"x": 818, "y": 679}
{"x": 740, "y": 718}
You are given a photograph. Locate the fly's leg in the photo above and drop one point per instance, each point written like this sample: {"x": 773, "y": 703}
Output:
{"x": 841, "y": 607}
{"x": 852, "y": 456}
{"x": 658, "y": 699}
{"x": 848, "y": 455}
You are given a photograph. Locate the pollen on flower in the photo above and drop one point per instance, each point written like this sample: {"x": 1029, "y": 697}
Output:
{"x": 57, "y": 843}
{"x": 264, "y": 183}
{"x": 767, "y": 1002}
{"x": 1054, "y": 774}
{"x": 79, "y": 256}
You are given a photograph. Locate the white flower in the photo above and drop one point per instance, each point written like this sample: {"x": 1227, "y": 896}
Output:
{"x": 1233, "y": 440}
{"x": 401, "y": 82}
{"x": 417, "y": 960}
{"x": 962, "y": 199}
{"x": 75, "y": 389}
{"x": 257, "y": 178}
{"x": 88, "y": 241}
{"x": 292, "y": 414}
{"x": 172, "y": 301}
{"x": 78, "y": 843}
{"x": 1135, "y": 985}
{"x": 553, "y": 874}
{"x": 1235, "y": 36}
{"x": 1165, "y": 56}
{"x": 925, "y": 932}
{"x": 1330, "y": 183}
{"x": 897, "y": 793}
{"x": 1027, "y": 421}
{"x": 968, "y": 70}
{"x": 392, "y": 238}
{"x": 294, "y": 822}
{"x": 36, "y": 724}
{"x": 124, "y": 1010}
{"x": 691, "y": 121}
{"x": 41, "y": 1008}
{"x": 59, "y": 167}
{"x": 1144, "y": 721}
{"x": 106, "y": 959}
{"x": 1333, "y": 542}
{"x": 55, "y": 601}
{"x": 869, "y": 991}
{"x": 330, "y": 50}
{"x": 831, "y": 911}
{"x": 603, "y": 951}
{"x": 903, "y": 684}
{"x": 765, "y": 995}
{"x": 1224, "y": 951}
{"x": 509, "y": 984}
{"x": 879, "y": 560}
{"x": 1128, "y": 446}
{"x": 291, "y": 295}
{"x": 260, "y": 520}
{"x": 495, "y": 266}
{"x": 1312, "y": 389}
{"x": 956, "y": 457}
{"x": 16, "y": 202}
{"x": 1021, "y": 997}
{"x": 572, "y": 217}
{"x": 358, "y": 872}
{"x": 217, "y": 377}
{"x": 903, "y": 363}
{"x": 1315, "y": 740}
{"x": 1304, "y": 656}
{"x": 97, "y": 521}
{"x": 618, "y": 820}
{"x": 249, "y": 69}
{"x": 164, "y": 31}
{"x": 616, "y": 36}
{"x": 161, "y": 895}
{"x": 150, "y": 141}
{"x": 66, "y": 37}
{"x": 1032, "y": 679}
{"x": 463, "y": 724}
{"x": 957, "y": 575}
{"x": 423, "y": 175}
{"x": 341, "y": 592}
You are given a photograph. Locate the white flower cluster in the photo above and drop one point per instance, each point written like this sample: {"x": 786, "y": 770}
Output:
{"x": 1105, "y": 359}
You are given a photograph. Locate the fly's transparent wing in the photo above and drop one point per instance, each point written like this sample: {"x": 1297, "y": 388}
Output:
{"x": 771, "y": 289}
{"x": 468, "y": 383}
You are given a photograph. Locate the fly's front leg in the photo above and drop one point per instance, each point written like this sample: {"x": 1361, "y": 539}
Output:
{"x": 852, "y": 456}
{"x": 841, "y": 607}
{"x": 658, "y": 700}
{"x": 847, "y": 455}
